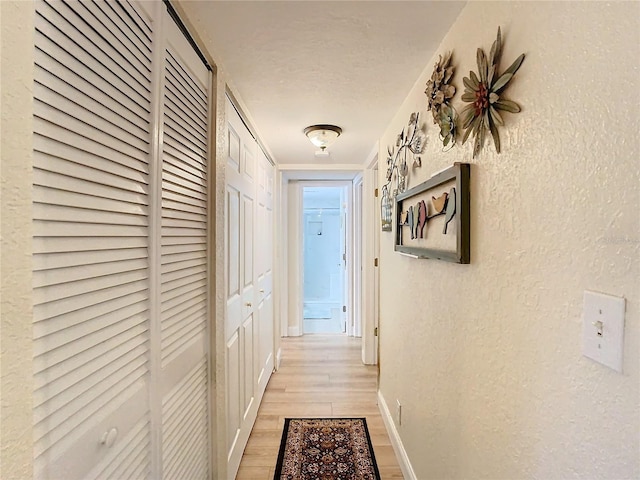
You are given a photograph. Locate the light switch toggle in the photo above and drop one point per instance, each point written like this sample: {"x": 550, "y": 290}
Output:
{"x": 599, "y": 326}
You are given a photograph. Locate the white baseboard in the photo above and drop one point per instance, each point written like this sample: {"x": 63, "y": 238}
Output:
{"x": 394, "y": 436}
{"x": 278, "y": 358}
{"x": 294, "y": 331}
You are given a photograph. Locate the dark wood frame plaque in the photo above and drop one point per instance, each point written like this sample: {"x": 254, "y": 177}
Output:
{"x": 460, "y": 172}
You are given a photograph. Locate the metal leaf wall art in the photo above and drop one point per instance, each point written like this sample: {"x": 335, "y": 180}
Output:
{"x": 409, "y": 144}
{"x": 483, "y": 92}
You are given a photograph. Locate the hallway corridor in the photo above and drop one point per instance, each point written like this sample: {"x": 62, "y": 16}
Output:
{"x": 320, "y": 376}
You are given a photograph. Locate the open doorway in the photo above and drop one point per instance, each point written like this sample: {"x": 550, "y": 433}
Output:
{"x": 324, "y": 256}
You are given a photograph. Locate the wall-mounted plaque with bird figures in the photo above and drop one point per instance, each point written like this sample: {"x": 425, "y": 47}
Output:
{"x": 433, "y": 218}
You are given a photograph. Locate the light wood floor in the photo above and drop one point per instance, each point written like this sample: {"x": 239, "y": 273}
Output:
{"x": 320, "y": 376}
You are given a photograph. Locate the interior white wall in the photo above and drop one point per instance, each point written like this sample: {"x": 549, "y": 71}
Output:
{"x": 293, "y": 256}
{"x": 16, "y": 334}
{"x": 486, "y": 358}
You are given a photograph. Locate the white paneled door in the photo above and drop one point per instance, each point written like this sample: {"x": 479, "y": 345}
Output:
{"x": 249, "y": 261}
{"x": 264, "y": 361}
{"x": 120, "y": 225}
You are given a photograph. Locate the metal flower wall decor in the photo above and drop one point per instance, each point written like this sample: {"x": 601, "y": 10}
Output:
{"x": 439, "y": 93}
{"x": 483, "y": 93}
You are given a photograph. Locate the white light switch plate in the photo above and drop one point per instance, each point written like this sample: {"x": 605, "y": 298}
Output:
{"x": 607, "y": 347}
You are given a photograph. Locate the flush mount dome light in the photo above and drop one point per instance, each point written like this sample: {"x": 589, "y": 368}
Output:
{"x": 322, "y": 135}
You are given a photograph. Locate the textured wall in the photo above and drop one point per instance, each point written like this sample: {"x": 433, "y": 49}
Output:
{"x": 486, "y": 358}
{"x": 16, "y": 20}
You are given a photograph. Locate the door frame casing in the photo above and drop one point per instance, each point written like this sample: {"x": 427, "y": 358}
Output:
{"x": 358, "y": 253}
{"x": 289, "y": 255}
{"x": 370, "y": 251}
{"x": 297, "y": 249}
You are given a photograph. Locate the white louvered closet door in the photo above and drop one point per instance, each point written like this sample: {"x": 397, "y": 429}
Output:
{"x": 120, "y": 244}
{"x": 183, "y": 292}
{"x": 91, "y": 270}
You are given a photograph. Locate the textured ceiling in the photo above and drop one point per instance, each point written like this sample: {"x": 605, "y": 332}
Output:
{"x": 300, "y": 63}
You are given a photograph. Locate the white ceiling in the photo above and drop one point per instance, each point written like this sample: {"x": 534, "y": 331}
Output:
{"x": 300, "y": 63}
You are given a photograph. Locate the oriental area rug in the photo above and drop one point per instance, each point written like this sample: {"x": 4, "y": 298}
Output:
{"x": 326, "y": 449}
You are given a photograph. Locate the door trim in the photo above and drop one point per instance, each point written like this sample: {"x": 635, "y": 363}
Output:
{"x": 289, "y": 257}
{"x": 297, "y": 252}
{"x": 370, "y": 251}
{"x": 358, "y": 257}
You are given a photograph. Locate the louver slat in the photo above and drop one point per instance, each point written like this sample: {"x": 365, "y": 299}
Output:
{"x": 82, "y": 122}
{"x": 68, "y": 93}
{"x": 106, "y": 37}
{"x": 74, "y": 259}
{"x": 177, "y": 166}
{"x": 96, "y": 159}
{"x": 185, "y": 156}
{"x": 178, "y": 94}
{"x": 184, "y": 427}
{"x": 58, "y": 173}
{"x": 67, "y": 37}
{"x": 179, "y": 73}
{"x": 116, "y": 31}
{"x": 168, "y": 250}
{"x": 182, "y": 129}
{"x": 91, "y": 274}
{"x": 139, "y": 25}
{"x": 54, "y": 59}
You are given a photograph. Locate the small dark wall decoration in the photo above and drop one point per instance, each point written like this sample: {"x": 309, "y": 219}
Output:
{"x": 444, "y": 201}
{"x": 386, "y": 208}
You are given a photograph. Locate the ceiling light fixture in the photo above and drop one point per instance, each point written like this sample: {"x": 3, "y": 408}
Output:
{"x": 322, "y": 135}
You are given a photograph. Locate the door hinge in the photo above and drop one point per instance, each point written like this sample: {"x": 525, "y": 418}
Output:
{"x": 375, "y": 262}
{"x": 375, "y": 332}
{"x": 344, "y": 309}
{"x": 375, "y": 193}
